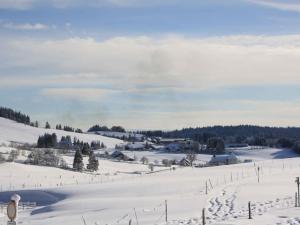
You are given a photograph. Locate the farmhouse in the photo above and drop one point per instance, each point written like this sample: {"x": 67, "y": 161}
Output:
{"x": 180, "y": 145}
{"x": 118, "y": 155}
{"x": 185, "y": 162}
{"x": 225, "y": 159}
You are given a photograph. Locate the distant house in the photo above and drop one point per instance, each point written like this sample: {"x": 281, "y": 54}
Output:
{"x": 180, "y": 145}
{"x": 136, "y": 146}
{"x": 225, "y": 159}
{"x": 118, "y": 155}
{"x": 184, "y": 162}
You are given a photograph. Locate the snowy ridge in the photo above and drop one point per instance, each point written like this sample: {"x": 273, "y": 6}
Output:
{"x": 11, "y": 131}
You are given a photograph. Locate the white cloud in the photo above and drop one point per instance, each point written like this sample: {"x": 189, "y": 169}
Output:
{"x": 25, "y": 26}
{"x": 136, "y": 62}
{"x": 29, "y": 4}
{"x": 86, "y": 94}
{"x": 281, "y": 5}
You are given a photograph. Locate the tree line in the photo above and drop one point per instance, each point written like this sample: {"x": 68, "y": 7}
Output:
{"x": 105, "y": 128}
{"x": 14, "y": 115}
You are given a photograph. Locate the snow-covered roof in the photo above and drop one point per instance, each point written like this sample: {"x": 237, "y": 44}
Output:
{"x": 223, "y": 158}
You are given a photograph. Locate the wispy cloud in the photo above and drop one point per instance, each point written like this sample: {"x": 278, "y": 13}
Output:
{"x": 281, "y": 5}
{"x": 79, "y": 94}
{"x": 133, "y": 62}
{"x": 26, "y": 26}
{"x": 29, "y": 4}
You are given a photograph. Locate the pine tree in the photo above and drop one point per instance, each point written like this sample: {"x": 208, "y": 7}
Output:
{"x": 93, "y": 162}
{"x": 78, "y": 161}
{"x": 47, "y": 126}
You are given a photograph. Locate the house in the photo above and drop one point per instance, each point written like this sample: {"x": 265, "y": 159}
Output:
{"x": 185, "y": 162}
{"x": 180, "y": 145}
{"x": 136, "y": 146}
{"x": 225, "y": 159}
{"x": 118, "y": 155}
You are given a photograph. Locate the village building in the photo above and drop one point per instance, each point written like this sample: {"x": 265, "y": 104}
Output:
{"x": 225, "y": 159}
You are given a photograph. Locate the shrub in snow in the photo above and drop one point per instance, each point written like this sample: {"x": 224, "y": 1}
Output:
{"x": 2, "y": 159}
{"x": 78, "y": 161}
{"x": 93, "y": 164}
{"x": 13, "y": 155}
{"x": 166, "y": 162}
{"x": 151, "y": 167}
{"x": 43, "y": 157}
{"x": 144, "y": 160}
{"x": 63, "y": 164}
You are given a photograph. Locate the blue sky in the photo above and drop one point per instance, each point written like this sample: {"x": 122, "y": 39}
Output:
{"x": 152, "y": 64}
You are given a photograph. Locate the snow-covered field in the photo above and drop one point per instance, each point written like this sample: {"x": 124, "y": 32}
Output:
{"x": 65, "y": 196}
{"x": 121, "y": 191}
{"x": 17, "y": 132}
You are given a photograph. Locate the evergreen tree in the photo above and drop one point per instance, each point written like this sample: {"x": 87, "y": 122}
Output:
{"x": 86, "y": 149}
{"x": 47, "y": 126}
{"x": 78, "y": 161}
{"x": 93, "y": 162}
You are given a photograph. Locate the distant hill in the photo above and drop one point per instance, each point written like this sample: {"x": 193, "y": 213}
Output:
{"x": 230, "y": 133}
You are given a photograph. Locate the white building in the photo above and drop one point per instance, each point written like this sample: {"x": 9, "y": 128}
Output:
{"x": 225, "y": 159}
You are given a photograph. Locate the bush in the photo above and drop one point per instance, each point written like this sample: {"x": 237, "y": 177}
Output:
{"x": 166, "y": 162}
{"x": 13, "y": 155}
{"x": 44, "y": 157}
{"x": 2, "y": 158}
{"x": 144, "y": 160}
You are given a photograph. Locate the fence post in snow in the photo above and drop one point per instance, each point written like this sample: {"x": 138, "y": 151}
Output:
{"x": 296, "y": 200}
{"x": 211, "y": 186}
{"x": 203, "y": 216}
{"x": 130, "y": 222}
{"x": 298, "y": 196}
{"x": 258, "y": 169}
{"x": 166, "y": 208}
{"x": 206, "y": 188}
{"x": 249, "y": 209}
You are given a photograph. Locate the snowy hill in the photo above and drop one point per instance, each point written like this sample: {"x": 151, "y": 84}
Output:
{"x": 121, "y": 191}
{"x": 18, "y": 132}
{"x": 66, "y": 197}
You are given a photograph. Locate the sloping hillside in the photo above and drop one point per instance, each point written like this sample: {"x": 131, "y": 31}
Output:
{"x": 18, "y": 132}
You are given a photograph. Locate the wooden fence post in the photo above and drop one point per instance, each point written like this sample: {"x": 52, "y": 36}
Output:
{"x": 249, "y": 208}
{"x": 136, "y": 218}
{"x": 206, "y": 188}
{"x": 296, "y": 200}
{"x": 166, "y": 208}
{"x": 130, "y": 222}
{"x": 203, "y": 216}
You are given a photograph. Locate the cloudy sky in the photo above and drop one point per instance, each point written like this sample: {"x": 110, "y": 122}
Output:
{"x": 152, "y": 64}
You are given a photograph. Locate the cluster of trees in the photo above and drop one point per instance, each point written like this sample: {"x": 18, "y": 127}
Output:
{"x": 105, "y": 128}
{"x": 68, "y": 128}
{"x": 46, "y": 157}
{"x": 15, "y": 116}
{"x": 216, "y": 145}
{"x": 78, "y": 164}
{"x": 241, "y": 132}
{"x": 50, "y": 141}
{"x": 47, "y": 141}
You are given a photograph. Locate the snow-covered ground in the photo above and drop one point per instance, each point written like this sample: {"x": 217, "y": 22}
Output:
{"x": 65, "y": 196}
{"x": 18, "y": 132}
{"x": 121, "y": 191}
